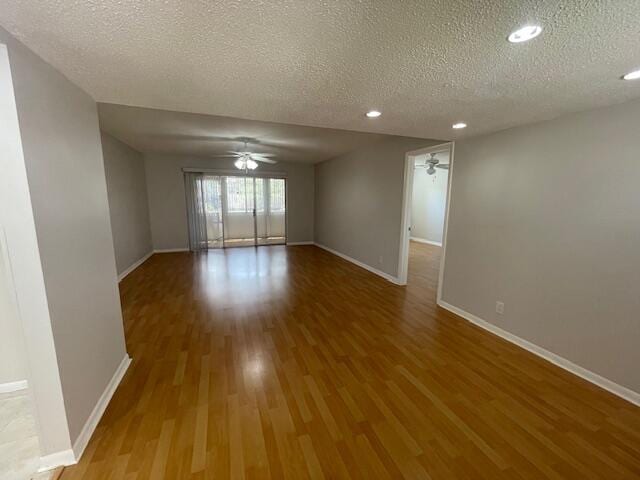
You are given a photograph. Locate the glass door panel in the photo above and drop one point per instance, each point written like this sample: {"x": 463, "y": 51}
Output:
{"x": 271, "y": 220}
{"x": 238, "y": 211}
{"x": 212, "y": 200}
{"x": 262, "y": 216}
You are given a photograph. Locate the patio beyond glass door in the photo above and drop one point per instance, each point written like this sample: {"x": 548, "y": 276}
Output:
{"x": 238, "y": 211}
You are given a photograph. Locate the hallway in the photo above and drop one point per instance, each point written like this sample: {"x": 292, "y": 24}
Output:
{"x": 289, "y": 362}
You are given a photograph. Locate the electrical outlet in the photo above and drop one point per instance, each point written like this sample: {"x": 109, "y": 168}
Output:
{"x": 500, "y": 308}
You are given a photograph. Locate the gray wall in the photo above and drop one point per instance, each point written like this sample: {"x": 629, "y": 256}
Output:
{"x": 16, "y": 219}
{"x": 168, "y": 209}
{"x": 359, "y": 200}
{"x": 128, "y": 209}
{"x": 65, "y": 172}
{"x": 546, "y": 218}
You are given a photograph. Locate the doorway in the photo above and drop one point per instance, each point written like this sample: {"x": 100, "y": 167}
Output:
{"x": 235, "y": 211}
{"x": 427, "y": 185}
{"x": 429, "y": 197}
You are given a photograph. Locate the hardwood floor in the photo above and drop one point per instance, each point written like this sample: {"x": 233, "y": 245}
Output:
{"x": 289, "y": 362}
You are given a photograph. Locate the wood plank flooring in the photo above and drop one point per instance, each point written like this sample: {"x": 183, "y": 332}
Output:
{"x": 291, "y": 363}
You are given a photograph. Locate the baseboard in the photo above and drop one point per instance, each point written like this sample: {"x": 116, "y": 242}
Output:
{"x": 291, "y": 244}
{"x": 380, "y": 273}
{"x": 13, "y": 386}
{"x": 134, "y": 266}
{"x": 92, "y": 422}
{"x": 424, "y": 240}
{"x": 170, "y": 250}
{"x": 58, "y": 459}
{"x": 588, "y": 375}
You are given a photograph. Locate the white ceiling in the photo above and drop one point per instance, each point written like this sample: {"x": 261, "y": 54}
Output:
{"x": 424, "y": 63}
{"x": 162, "y": 131}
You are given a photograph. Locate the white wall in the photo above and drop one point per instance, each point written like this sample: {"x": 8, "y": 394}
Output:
{"x": 546, "y": 218}
{"x": 58, "y": 127}
{"x": 167, "y": 203}
{"x": 128, "y": 209}
{"x": 359, "y": 200}
{"x": 13, "y": 363}
{"x": 428, "y": 202}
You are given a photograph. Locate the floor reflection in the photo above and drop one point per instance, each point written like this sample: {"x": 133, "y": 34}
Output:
{"x": 243, "y": 275}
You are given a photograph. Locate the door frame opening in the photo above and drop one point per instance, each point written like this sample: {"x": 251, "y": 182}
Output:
{"x": 407, "y": 195}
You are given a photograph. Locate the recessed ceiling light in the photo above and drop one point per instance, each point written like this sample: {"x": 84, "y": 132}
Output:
{"x": 459, "y": 125}
{"x": 525, "y": 33}
{"x": 635, "y": 75}
{"x": 373, "y": 113}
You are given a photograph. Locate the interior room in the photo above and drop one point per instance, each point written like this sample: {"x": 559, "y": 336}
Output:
{"x": 290, "y": 241}
{"x": 428, "y": 201}
{"x": 429, "y": 197}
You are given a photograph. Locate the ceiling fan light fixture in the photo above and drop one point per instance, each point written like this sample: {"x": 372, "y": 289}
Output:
{"x": 524, "y": 34}
{"x": 239, "y": 164}
{"x": 251, "y": 165}
{"x": 635, "y": 75}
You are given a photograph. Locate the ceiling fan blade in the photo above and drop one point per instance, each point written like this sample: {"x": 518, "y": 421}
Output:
{"x": 265, "y": 155}
{"x": 225, "y": 156}
{"x": 238, "y": 154}
{"x": 444, "y": 166}
{"x": 263, "y": 160}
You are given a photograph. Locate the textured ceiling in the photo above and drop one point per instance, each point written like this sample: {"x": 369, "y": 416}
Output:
{"x": 424, "y": 63}
{"x": 162, "y": 131}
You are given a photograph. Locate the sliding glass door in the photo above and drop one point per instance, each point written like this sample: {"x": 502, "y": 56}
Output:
{"x": 270, "y": 211}
{"x": 212, "y": 188}
{"x": 239, "y": 204}
{"x": 235, "y": 211}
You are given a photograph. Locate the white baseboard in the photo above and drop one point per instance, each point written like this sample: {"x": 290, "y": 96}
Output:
{"x": 13, "y": 386}
{"x": 58, "y": 459}
{"x": 424, "y": 240}
{"x": 561, "y": 362}
{"x": 170, "y": 250}
{"x": 382, "y": 274}
{"x": 92, "y": 422}
{"x": 291, "y": 244}
{"x": 134, "y": 266}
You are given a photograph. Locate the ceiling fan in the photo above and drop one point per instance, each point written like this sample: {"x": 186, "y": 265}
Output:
{"x": 432, "y": 163}
{"x": 247, "y": 160}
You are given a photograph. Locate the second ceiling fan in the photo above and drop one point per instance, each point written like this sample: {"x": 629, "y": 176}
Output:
{"x": 432, "y": 163}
